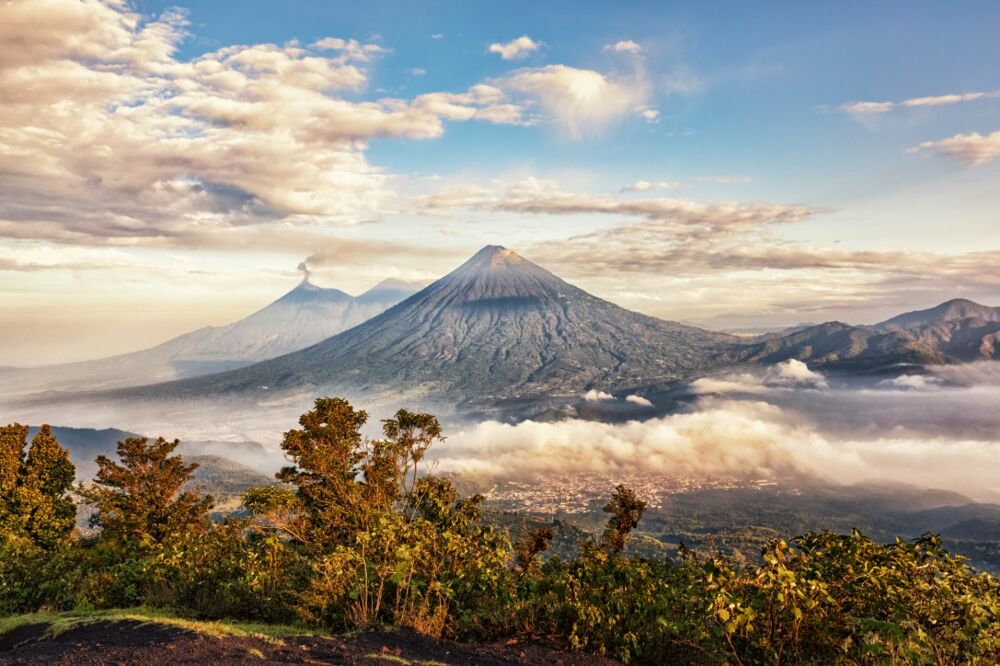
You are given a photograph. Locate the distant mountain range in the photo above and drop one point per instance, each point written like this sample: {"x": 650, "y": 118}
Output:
{"x": 500, "y": 331}
{"x": 956, "y": 331}
{"x": 304, "y": 316}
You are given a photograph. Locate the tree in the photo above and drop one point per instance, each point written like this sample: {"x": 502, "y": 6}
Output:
{"x": 626, "y": 509}
{"x": 34, "y": 488}
{"x": 530, "y": 545}
{"x": 345, "y": 481}
{"x": 327, "y": 451}
{"x": 142, "y": 500}
{"x": 12, "y": 441}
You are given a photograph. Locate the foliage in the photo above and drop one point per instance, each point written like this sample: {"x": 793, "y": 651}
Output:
{"x": 34, "y": 487}
{"x": 139, "y": 501}
{"x": 358, "y": 535}
{"x": 385, "y": 545}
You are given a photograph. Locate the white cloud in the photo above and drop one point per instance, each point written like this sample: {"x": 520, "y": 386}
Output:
{"x": 593, "y": 395}
{"x": 350, "y": 48}
{"x": 793, "y": 372}
{"x": 515, "y": 49}
{"x": 652, "y": 116}
{"x": 790, "y": 374}
{"x": 581, "y": 101}
{"x": 418, "y": 71}
{"x": 864, "y": 111}
{"x": 913, "y": 383}
{"x": 687, "y": 217}
{"x": 624, "y": 46}
{"x": 105, "y": 136}
{"x": 974, "y": 149}
{"x": 437, "y": 36}
{"x": 868, "y": 107}
{"x": 941, "y": 100}
{"x": 638, "y": 400}
{"x": 646, "y": 185}
{"x": 845, "y": 435}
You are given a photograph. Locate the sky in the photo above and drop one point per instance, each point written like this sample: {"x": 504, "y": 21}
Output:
{"x": 165, "y": 167}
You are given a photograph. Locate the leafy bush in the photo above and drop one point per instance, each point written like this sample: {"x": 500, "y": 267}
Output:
{"x": 358, "y": 537}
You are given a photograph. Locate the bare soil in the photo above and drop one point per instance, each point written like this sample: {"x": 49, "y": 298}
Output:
{"x": 130, "y": 642}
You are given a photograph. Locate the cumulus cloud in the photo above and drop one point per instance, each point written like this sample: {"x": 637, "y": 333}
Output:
{"x": 974, "y": 149}
{"x": 638, "y": 400}
{"x": 793, "y": 372}
{"x": 593, "y": 395}
{"x": 516, "y": 49}
{"x": 787, "y": 375}
{"x": 106, "y": 135}
{"x": 581, "y": 101}
{"x": 624, "y": 46}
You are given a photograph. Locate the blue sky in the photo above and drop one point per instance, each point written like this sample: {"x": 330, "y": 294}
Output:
{"x": 801, "y": 161}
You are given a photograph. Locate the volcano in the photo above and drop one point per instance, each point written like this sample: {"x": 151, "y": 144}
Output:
{"x": 496, "y": 326}
{"x": 304, "y": 316}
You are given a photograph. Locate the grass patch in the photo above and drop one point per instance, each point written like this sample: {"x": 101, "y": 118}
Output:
{"x": 395, "y": 659}
{"x": 61, "y": 622}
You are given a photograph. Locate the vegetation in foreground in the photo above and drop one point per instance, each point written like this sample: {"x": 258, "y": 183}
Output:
{"x": 357, "y": 537}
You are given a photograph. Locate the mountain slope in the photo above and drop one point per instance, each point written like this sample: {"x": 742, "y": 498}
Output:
{"x": 953, "y": 332}
{"x": 498, "y": 325}
{"x": 303, "y": 316}
{"x": 955, "y": 309}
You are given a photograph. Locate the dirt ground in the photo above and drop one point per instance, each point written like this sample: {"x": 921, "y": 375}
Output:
{"x": 128, "y": 642}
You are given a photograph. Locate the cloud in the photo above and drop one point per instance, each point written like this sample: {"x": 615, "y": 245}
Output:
{"x": 624, "y": 46}
{"x": 105, "y": 135}
{"x": 912, "y": 383}
{"x": 706, "y": 256}
{"x": 350, "y": 48}
{"x": 437, "y": 36}
{"x": 686, "y": 216}
{"x": 868, "y": 107}
{"x": 638, "y": 400}
{"x": 973, "y": 149}
{"x": 865, "y": 111}
{"x": 418, "y": 71}
{"x": 581, "y": 101}
{"x": 793, "y": 373}
{"x": 515, "y": 49}
{"x": 652, "y": 116}
{"x": 844, "y": 434}
{"x": 646, "y": 185}
{"x": 593, "y": 395}
{"x": 27, "y": 258}
{"x": 940, "y": 100}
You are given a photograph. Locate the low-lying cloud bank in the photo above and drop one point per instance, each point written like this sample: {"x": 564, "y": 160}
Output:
{"x": 937, "y": 431}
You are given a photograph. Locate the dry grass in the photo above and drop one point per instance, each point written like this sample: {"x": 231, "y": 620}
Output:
{"x": 61, "y": 622}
